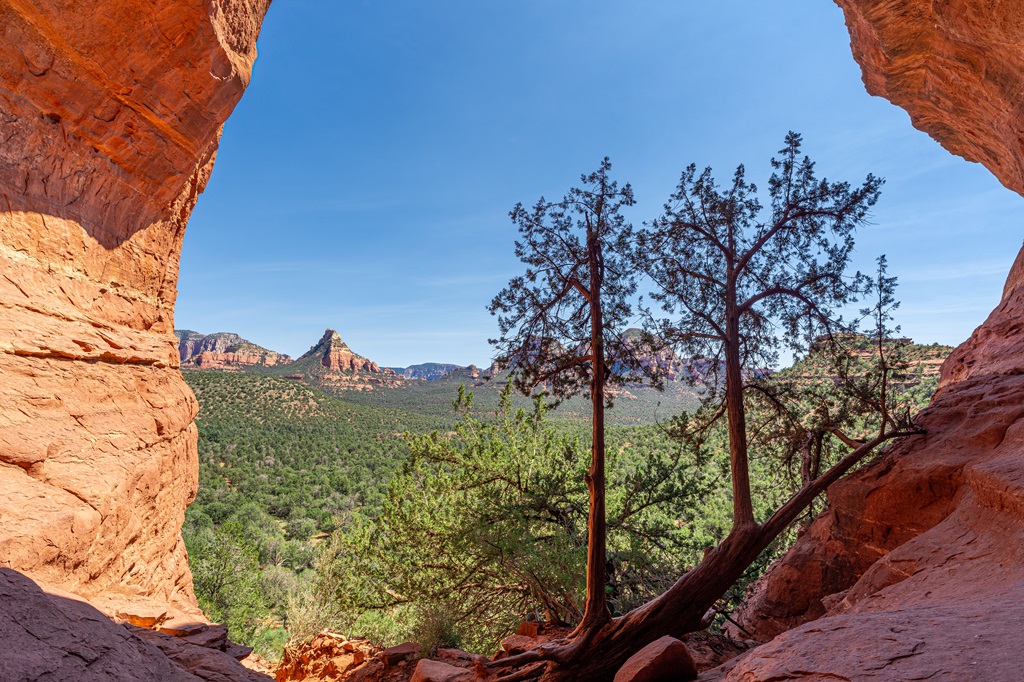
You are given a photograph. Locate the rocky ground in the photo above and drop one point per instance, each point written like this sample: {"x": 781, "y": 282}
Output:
{"x": 331, "y": 657}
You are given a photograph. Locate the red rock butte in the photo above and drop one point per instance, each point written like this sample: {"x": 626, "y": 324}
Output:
{"x": 109, "y": 123}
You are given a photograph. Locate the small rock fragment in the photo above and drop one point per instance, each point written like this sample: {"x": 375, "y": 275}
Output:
{"x": 457, "y": 654}
{"x": 529, "y": 628}
{"x": 184, "y": 626}
{"x": 517, "y": 644}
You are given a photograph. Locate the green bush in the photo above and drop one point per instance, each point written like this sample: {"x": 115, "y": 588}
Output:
{"x": 487, "y": 524}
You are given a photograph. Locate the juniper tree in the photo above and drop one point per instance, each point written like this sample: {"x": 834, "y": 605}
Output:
{"x": 847, "y": 387}
{"x": 738, "y": 280}
{"x": 565, "y": 317}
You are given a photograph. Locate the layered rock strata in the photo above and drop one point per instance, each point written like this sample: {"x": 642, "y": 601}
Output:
{"x": 955, "y": 66}
{"x": 336, "y": 356}
{"x": 223, "y": 350}
{"x": 974, "y": 444}
{"x": 331, "y": 365}
{"x": 109, "y": 123}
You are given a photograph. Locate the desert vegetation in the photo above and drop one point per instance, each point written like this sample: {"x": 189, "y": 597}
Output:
{"x": 451, "y": 528}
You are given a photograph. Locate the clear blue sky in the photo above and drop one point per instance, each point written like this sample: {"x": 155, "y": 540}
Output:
{"x": 365, "y": 179}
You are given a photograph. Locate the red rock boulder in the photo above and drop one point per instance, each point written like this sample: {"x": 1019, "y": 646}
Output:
{"x": 435, "y": 671}
{"x": 663, "y": 660}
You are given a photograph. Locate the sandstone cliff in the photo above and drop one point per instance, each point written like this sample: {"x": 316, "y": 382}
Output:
{"x": 335, "y": 355}
{"x": 223, "y": 350}
{"x": 109, "y": 121}
{"x": 108, "y": 129}
{"x": 922, "y": 552}
{"x": 955, "y": 66}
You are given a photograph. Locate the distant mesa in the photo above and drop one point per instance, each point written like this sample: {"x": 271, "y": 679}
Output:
{"x": 328, "y": 362}
{"x": 224, "y": 350}
{"x": 427, "y": 371}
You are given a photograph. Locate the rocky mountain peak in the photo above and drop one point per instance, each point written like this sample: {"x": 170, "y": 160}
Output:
{"x": 332, "y": 340}
{"x": 334, "y": 355}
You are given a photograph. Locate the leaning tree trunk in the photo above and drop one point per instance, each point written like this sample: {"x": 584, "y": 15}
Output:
{"x": 684, "y": 608}
{"x": 680, "y": 610}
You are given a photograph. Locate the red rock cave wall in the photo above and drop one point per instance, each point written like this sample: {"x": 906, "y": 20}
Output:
{"x": 110, "y": 114}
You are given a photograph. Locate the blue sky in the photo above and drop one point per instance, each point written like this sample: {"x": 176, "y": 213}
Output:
{"x": 364, "y": 181}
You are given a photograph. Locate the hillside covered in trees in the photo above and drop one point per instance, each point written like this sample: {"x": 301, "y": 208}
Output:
{"x": 290, "y": 477}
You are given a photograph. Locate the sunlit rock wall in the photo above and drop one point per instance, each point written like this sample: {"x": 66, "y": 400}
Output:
{"x": 955, "y": 66}
{"x": 110, "y": 114}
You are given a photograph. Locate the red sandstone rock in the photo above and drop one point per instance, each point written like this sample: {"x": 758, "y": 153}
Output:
{"x": 223, "y": 351}
{"x": 528, "y": 628}
{"x": 517, "y": 644}
{"x": 211, "y": 665}
{"x": 916, "y": 547}
{"x": 184, "y": 627}
{"x": 50, "y": 635}
{"x": 435, "y": 671}
{"x": 110, "y": 119}
{"x": 897, "y": 547}
{"x": 336, "y": 356}
{"x": 955, "y": 67}
{"x": 948, "y": 64}
{"x": 401, "y": 652}
{"x": 710, "y": 650}
{"x": 110, "y": 132}
{"x": 318, "y": 659}
{"x": 454, "y": 654}
{"x": 663, "y": 660}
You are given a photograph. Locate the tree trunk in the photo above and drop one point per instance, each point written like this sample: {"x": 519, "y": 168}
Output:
{"x": 743, "y": 508}
{"x": 678, "y": 611}
{"x": 598, "y": 654}
{"x": 596, "y": 612}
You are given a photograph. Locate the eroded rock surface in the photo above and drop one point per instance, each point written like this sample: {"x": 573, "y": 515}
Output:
{"x": 918, "y": 546}
{"x": 55, "y": 637}
{"x": 955, "y": 66}
{"x": 335, "y": 356}
{"x": 332, "y": 365}
{"x": 109, "y": 121}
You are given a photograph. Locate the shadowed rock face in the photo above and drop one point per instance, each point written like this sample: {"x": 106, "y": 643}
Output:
{"x": 109, "y": 121}
{"x": 53, "y": 637}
